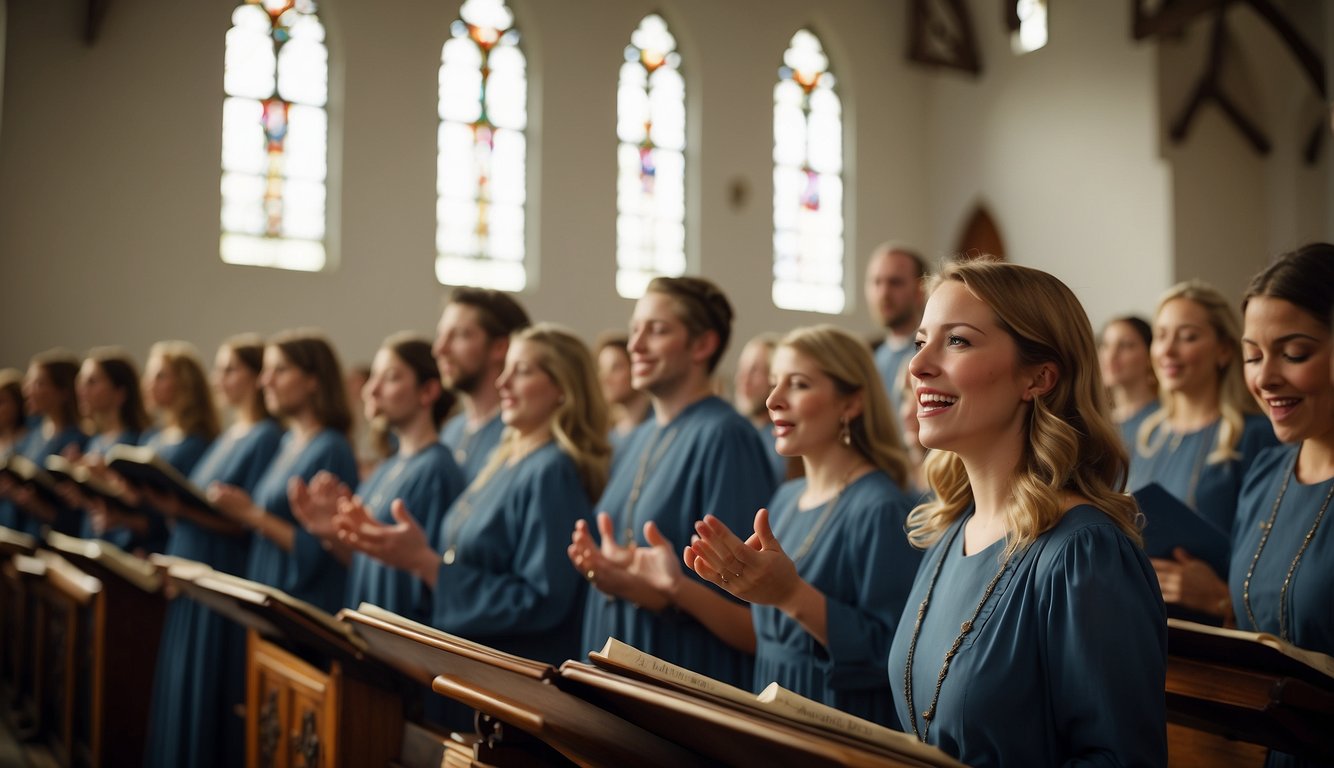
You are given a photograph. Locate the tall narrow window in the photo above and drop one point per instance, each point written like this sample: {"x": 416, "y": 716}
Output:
{"x": 275, "y": 136}
{"x": 1032, "y": 32}
{"x": 480, "y": 170}
{"x": 808, "y": 182}
{"x": 650, "y": 184}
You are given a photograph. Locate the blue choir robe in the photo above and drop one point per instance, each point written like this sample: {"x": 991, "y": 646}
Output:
{"x": 707, "y": 460}
{"x": 182, "y": 455}
{"x": 777, "y": 461}
{"x": 36, "y": 447}
{"x": 1309, "y": 618}
{"x": 1066, "y": 662}
{"x": 861, "y": 561}
{"x": 1129, "y": 428}
{"x": 201, "y": 662}
{"x": 471, "y": 449}
{"x": 1181, "y": 468}
{"x": 889, "y": 361}
{"x": 428, "y": 481}
{"x": 98, "y": 445}
{"x": 504, "y": 579}
{"x": 308, "y": 572}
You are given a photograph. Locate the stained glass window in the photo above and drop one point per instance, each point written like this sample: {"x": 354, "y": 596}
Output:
{"x": 808, "y": 182}
{"x": 275, "y": 136}
{"x": 650, "y": 183}
{"x": 1032, "y": 33}
{"x": 482, "y": 151}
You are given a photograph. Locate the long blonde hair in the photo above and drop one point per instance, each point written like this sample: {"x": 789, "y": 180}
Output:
{"x": 1234, "y": 402}
{"x": 845, "y": 359}
{"x": 1070, "y": 444}
{"x": 579, "y": 423}
{"x": 191, "y": 410}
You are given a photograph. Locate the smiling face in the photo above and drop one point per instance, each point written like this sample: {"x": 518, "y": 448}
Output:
{"x": 1187, "y": 351}
{"x": 805, "y": 405}
{"x": 662, "y": 354}
{"x": 1123, "y": 356}
{"x": 462, "y": 349}
{"x": 528, "y": 395}
{"x": 1287, "y": 365}
{"x": 893, "y": 288}
{"x": 972, "y": 395}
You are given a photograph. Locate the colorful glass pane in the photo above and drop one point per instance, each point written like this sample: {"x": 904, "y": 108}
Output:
{"x": 275, "y": 136}
{"x": 481, "y": 167}
{"x": 808, "y": 183}
{"x": 650, "y": 183}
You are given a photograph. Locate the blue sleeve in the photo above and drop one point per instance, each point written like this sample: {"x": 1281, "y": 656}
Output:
{"x": 309, "y": 557}
{"x": 1105, "y": 650}
{"x": 261, "y": 455}
{"x": 737, "y": 478}
{"x": 540, "y": 589}
{"x": 882, "y": 565}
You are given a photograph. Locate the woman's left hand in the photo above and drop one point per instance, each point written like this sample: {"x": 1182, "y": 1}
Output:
{"x": 756, "y": 570}
{"x": 1190, "y": 582}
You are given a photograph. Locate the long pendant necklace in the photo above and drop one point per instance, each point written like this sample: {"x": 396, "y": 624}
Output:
{"x": 825, "y": 516}
{"x": 1268, "y": 527}
{"x": 964, "y": 629}
{"x": 648, "y": 460}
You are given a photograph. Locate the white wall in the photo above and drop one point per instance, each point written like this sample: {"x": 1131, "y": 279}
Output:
{"x": 109, "y": 165}
{"x": 1061, "y": 144}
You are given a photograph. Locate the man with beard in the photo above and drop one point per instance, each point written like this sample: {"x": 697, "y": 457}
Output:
{"x": 470, "y": 346}
{"x": 895, "y": 294}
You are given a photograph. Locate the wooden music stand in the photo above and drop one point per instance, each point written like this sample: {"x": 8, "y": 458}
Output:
{"x": 518, "y": 692}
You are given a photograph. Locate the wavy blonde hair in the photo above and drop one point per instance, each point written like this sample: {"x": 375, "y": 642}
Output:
{"x": 847, "y": 361}
{"x": 579, "y": 423}
{"x": 1234, "y": 402}
{"x": 191, "y": 410}
{"x": 1070, "y": 444}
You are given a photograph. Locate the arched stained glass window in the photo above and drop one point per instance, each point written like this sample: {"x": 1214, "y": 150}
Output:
{"x": 650, "y": 183}
{"x": 480, "y": 178}
{"x": 808, "y": 181}
{"x": 275, "y": 136}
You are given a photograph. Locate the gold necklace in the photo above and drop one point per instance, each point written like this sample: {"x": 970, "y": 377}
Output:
{"x": 1268, "y": 528}
{"x": 964, "y": 629}
{"x": 648, "y": 461}
{"x": 828, "y": 512}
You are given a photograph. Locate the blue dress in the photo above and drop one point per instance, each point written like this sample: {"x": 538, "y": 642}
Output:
{"x": 1130, "y": 427}
{"x": 860, "y": 559}
{"x": 708, "y": 460}
{"x": 201, "y": 662}
{"x": 1306, "y": 606}
{"x": 35, "y": 447}
{"x": 308, "y": 572}
{"x": 98, "y": 445}
{"x": 504, "y": 579}
{"x": 1181, "y": 468}
{"x": 1066, "y": 661}
{"x": 471, "y": 449}
{"x": 428, "y": 482}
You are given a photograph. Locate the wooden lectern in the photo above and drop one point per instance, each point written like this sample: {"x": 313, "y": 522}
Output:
{"x": 1245, "y": 687}
{"x": 314, "y": 698}
{"x": 16, "y": 606}
{"x": 518, "y": 693}
{"x": 111, "y": 648}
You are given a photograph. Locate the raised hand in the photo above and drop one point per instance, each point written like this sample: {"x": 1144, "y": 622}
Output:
{"x": 315, "y": 506}
{"x": 756, "y": 570}
{"x": 401, "y": 544}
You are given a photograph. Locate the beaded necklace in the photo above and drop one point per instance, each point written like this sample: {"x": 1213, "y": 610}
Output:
{"x": 964, "y": 629}
{"x": 1268, "y": 528}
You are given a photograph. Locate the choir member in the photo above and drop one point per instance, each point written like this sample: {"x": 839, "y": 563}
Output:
{"x": 13, "y": 416}
{"x": 303, "y": 385}
{"x": 200, "y": 677}
{"x": 496, "y": 570}
{"x": 828, "y": 567}
{"x": 698, "y": 457}
{"x": 404, "y": 391}
{"x": 1282, "y": 567}
{"x": 53, "y": 408}
{"x": 627, "y": 407}
{"x": 1204, "y": 436}
{"x": 470, "y": 346}
{"x": 750, "y": 387}
{"x": 1127, "y": 372}
{"x": 895, "y": 292}
{"x": 1034, "y": 634}
{"x": 178, "y": 391}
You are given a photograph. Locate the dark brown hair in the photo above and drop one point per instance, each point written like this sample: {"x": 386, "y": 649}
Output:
{"x": 702, "y": 307}
{"x": 314, "y": 356}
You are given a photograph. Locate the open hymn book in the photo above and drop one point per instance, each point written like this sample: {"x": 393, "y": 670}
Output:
{"x": 774, "y": 700}
{"x": 1259, "y": 650}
